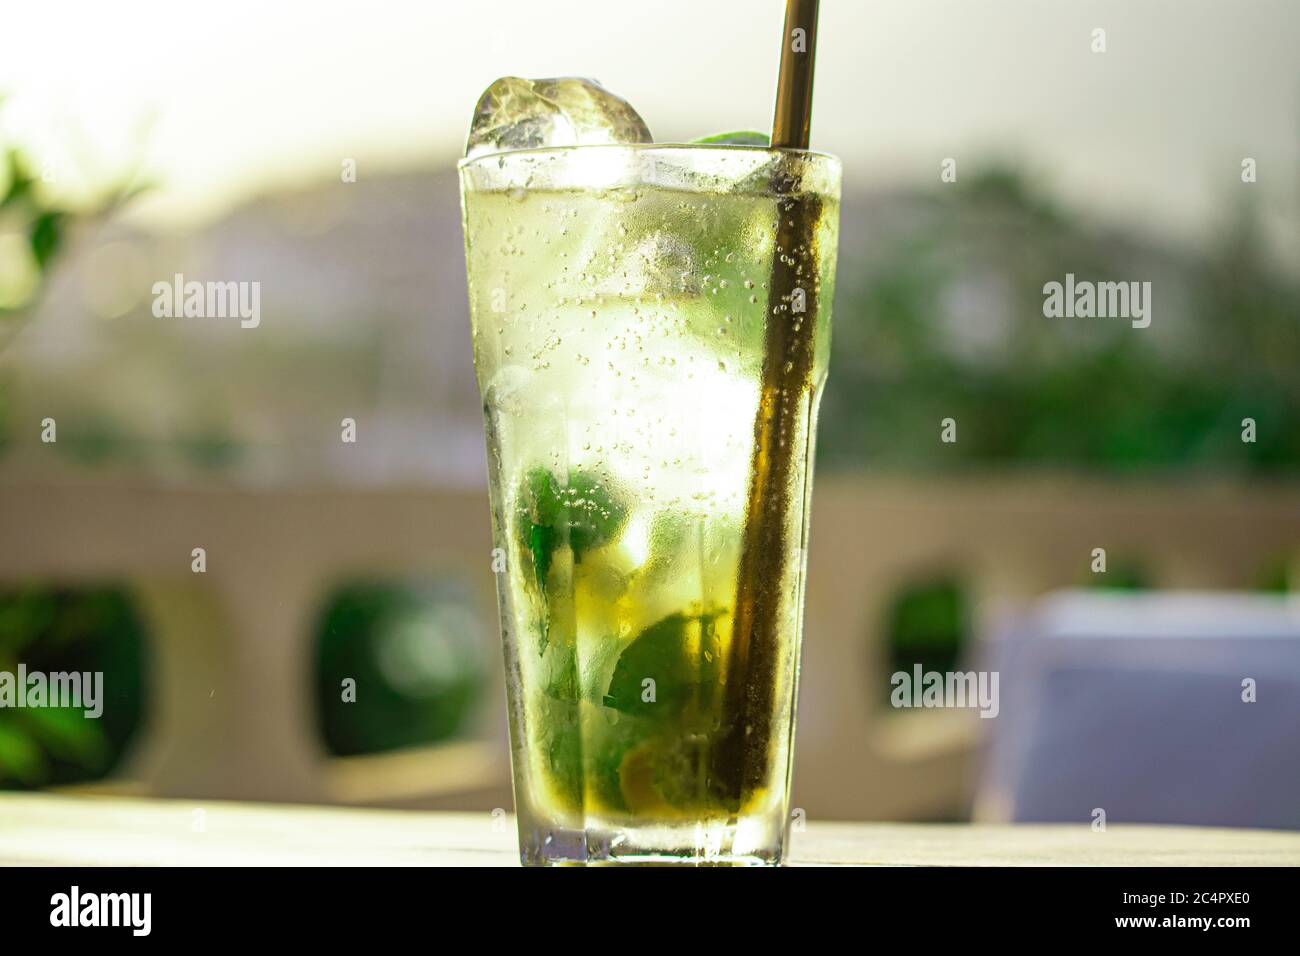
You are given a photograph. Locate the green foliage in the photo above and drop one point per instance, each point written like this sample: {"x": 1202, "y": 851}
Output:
{"x": 927, "y": 623}
{"x": 208, "y": 448}
{"x": 942, "y": 317}
{"x": 1120, "y": 575}
{"x": 47, "y": 236}
{"x": 25, "y": 209}
{"x": 32, "y": 212}
{"x": 1278, "y": 576}
{"x": 413, "y": 652}
{"x": 63, "y": 630}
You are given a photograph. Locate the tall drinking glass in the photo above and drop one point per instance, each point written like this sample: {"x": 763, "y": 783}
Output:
{"x": 642, "y": 315}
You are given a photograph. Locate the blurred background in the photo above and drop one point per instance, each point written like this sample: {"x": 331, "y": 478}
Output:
{"x": 312, "y": 148}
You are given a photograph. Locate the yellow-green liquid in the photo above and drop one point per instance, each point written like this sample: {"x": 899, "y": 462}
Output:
{"x": 618, "y": 340}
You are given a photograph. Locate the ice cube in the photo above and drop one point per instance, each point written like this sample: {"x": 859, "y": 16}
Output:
{"x": 659, "y": 264}
{"x": 515, "y": 113}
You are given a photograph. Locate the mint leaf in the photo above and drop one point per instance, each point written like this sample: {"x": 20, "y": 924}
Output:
{"x": 538, "y": 501}
{"x": 595, "y": 516}
{"x": 583, "y": 513}
{"x": 745, "y": 137}
{"x": 584, "y": 507}
{"x": 662, "y": 652}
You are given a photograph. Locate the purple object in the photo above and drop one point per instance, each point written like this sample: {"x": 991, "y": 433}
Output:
{"x": 1134, "y": 704}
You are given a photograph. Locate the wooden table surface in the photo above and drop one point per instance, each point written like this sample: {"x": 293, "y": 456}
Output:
{"x": 103, "y": 831}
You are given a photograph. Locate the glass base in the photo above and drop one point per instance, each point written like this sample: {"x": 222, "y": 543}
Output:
{"x": 747, "y": 843}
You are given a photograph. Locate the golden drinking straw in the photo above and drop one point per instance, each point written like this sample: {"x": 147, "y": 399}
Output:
{"x": 794, "y": 83}
{"x": 788, "y": 354}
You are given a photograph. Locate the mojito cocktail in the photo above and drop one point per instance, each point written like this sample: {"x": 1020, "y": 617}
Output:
{"x": 622, "y": 301}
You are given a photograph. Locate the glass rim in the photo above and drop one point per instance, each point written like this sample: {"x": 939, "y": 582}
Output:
{"x": 466, "y": 162}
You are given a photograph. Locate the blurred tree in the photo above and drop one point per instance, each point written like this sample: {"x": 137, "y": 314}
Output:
{"x": 1279, "y": 575}
{"x": 943, "y": 317}
{"x": 927, "y": 623}
{"x": 58, "y": 630}
{"x": 1122, "y": 574}
{"x": 53, "y": 629}
{"x": 412, "y": 656}
{"x": 34, "y": 229}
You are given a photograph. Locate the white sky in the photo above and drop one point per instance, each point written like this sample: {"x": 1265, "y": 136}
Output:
{"x": 248, "y": 94}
